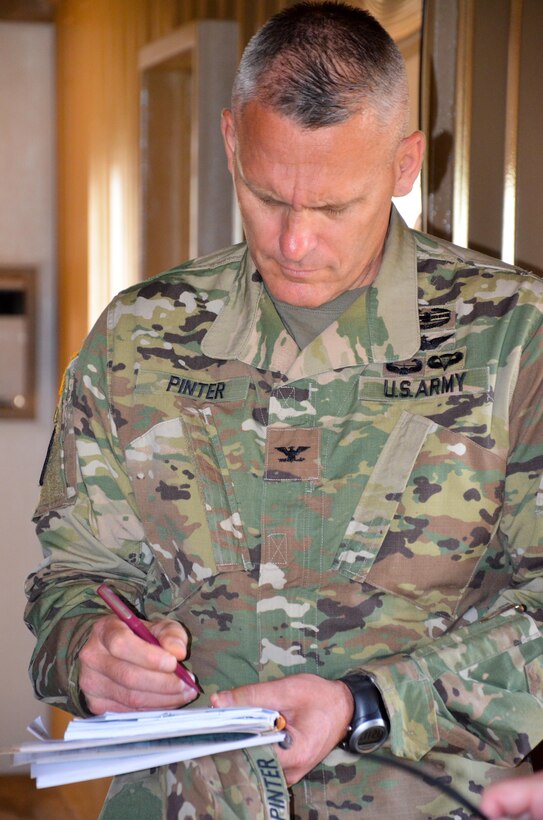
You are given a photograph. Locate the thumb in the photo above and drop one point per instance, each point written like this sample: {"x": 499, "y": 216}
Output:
{"x": 172, "y": 637}
{"x": 240, "y": 696}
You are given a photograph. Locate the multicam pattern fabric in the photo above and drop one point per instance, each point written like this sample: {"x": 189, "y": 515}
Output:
{"x": 372, "y": 502}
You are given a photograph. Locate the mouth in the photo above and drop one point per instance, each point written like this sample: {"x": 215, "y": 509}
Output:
{"x": 297, "y": 273}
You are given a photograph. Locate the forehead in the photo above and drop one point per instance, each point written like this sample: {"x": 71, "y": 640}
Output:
{"x": 332, "y": 163}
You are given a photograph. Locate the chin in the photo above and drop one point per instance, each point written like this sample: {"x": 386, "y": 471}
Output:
{"x": 303, "y": 297}
{"x": 294, "y": 293}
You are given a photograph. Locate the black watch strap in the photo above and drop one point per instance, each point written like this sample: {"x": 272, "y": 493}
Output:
{"x": 370, "y": 725}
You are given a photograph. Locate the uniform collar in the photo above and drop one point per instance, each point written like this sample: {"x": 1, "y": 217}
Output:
{"x": 380, "y": 326}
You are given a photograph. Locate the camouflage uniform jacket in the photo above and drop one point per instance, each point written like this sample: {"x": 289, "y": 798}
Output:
{"x": 374, "y": 501}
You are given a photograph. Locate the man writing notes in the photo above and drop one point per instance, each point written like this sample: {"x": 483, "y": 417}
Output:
{"x": 313, "y": 462}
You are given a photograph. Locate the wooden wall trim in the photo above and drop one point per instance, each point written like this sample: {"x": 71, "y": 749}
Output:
{"x": 463, "y": 107}
{"x": 512, "y": 106}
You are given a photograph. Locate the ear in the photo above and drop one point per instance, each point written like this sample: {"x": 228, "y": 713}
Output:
{"x": 229, "y": 136}
{"x": 409, "y": 158}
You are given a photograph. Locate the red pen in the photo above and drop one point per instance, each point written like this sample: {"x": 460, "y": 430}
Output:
{"x": 138, "y": 628}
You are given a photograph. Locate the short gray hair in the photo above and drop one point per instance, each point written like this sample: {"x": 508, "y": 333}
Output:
{"x": 320, "y": 63}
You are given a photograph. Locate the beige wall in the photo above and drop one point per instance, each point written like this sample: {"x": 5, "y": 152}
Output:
{"x": 27, "y": 238}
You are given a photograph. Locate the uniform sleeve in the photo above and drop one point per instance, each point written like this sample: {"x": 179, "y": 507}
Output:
{"x": 478, "y": 690}
{"x": 88, "y": 527}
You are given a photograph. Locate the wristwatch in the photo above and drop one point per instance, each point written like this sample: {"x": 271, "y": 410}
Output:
{"x": 370, "y": 725}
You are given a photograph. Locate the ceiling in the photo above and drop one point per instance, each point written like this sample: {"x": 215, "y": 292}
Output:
{"x": 400, "y": 17}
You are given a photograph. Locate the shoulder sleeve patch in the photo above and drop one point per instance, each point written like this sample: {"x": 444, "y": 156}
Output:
{"x": 58, "y": 475}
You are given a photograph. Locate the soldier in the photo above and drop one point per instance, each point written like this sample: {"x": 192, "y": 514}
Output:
{"x": 313, "y": 461}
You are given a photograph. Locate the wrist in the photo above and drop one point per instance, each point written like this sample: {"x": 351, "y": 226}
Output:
{"x": 344, "y": 709}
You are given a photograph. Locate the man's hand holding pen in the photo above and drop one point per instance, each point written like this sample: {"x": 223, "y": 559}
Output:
{"x": 119, "y": 672}
{"x": 317, "y": 711}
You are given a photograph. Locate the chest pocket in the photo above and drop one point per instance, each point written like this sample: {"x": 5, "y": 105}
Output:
{"x": 426, "y": 516}
{"x": 181, "y": 478}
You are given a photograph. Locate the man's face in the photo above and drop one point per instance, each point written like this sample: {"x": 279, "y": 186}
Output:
{"x": 316, "y": 203}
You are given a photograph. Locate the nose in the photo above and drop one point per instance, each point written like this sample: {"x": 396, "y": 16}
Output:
{"x": 297, "y": 236}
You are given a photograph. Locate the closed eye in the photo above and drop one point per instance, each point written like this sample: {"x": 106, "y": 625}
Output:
{"x": 329, "y": 210}
{"x": 267, "y": 201}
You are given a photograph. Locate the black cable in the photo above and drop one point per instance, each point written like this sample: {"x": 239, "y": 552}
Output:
{"x": 426, "y": 777}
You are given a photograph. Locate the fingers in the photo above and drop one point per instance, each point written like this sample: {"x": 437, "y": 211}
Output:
{"x": 317, "y": 712}
{"x": 515, "y": 797}
{"x": 241, "y": 696}
{"x": 290, "y": 756}
{"x": 104, "y": 695}
{"x": 121, "y": 643}
{"x": 121, "y": 672}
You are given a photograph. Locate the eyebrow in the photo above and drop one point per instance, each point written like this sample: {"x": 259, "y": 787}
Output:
{"x": 261, "y": 193}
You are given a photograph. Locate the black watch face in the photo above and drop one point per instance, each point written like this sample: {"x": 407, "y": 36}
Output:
{"x": 375, "y": 734}
{"x": 366, "y": 738}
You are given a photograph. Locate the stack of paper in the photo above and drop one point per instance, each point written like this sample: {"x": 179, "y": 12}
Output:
{"x": 116, "y": 743}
